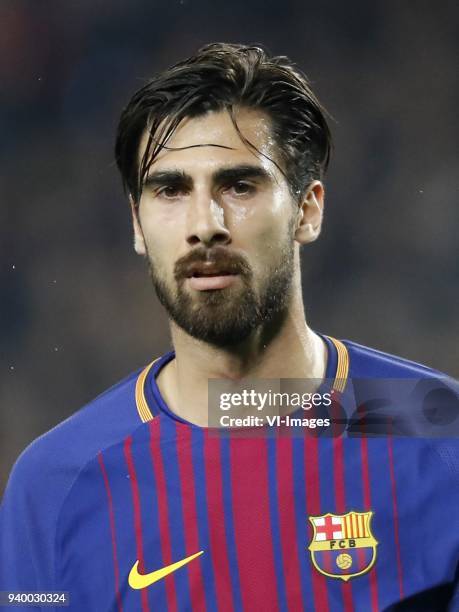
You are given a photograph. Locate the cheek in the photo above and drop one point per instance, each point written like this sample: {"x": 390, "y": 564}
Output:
{"x": 158, "y": 220}
{"x": 267, "y": 214}
{"x": 263, "y": 236}
{"x": 162, "y": 232}
{"x": 239, "y": 214}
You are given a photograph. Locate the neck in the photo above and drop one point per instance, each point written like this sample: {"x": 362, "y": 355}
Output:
{"x": 286, "y": 348}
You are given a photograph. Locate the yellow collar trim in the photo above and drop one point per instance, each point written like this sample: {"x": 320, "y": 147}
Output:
{"x": 342, "y": 365}
{"x": 339, "y": 383}
{"x": 140, "y": 399}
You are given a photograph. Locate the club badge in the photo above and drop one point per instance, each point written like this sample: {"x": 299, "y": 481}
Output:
{"x": 343, "y": 545}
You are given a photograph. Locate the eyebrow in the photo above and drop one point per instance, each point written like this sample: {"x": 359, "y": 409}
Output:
{"x": 220, "y": 176}
{"x": 238, "y": 173}
{"x": 167, "y": 177}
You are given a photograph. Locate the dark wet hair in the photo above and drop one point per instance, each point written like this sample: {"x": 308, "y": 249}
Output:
{"x": 227, "y": 77}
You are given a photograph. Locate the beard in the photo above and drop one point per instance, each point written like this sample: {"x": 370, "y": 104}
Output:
{"x": 226, "y": 317}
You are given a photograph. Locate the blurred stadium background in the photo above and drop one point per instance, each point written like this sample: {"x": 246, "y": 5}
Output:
{"x": 77, "y": 309}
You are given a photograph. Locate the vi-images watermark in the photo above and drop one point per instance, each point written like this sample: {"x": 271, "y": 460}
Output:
{"x": 371, "y": 407}
{"x": 273, "y": 403}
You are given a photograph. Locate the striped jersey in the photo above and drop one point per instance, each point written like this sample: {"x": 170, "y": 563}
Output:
{"x": 128, "y": 507}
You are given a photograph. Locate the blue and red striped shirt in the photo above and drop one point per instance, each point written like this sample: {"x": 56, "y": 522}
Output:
{"x": 124, "y": 489}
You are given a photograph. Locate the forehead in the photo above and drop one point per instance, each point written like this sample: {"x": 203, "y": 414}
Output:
{"x": 213, "y": 139}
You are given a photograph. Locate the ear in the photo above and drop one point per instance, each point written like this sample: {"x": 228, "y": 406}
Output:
{"x": 139, "y": 240}
{"x": 310, "y": 214}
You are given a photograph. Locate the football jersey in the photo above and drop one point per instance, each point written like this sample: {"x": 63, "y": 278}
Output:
{"x": 128, "y": 507}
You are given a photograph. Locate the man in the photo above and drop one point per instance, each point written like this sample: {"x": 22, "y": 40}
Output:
{"x": 136, "y": 502}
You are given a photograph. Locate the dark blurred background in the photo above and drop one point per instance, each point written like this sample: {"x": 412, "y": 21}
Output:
{"x": 77, "y": 309}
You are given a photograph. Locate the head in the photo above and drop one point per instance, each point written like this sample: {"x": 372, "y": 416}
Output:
{"x": 223, "y": 157}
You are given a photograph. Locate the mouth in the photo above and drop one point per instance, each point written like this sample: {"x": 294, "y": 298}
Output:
{"x": 208, "y": 268}
{"x": 207, "y": 276}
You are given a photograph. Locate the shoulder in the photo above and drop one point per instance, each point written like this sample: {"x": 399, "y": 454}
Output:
{"x": 368, "y": 362}
{"x": 428, "y": 389}
{"x": 45, "y": 470}
{"x": 426, "y": 400}
{"x": 44, "y": 474}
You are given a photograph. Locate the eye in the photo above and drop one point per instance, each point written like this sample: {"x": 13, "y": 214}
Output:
{"x": 170, "y": 192}
{"x": 241, "y": 188}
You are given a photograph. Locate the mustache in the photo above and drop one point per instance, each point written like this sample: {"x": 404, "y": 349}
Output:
{"x": 220, "y": 256}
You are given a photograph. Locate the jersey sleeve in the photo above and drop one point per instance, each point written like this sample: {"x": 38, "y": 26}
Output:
{"x": 27, "y": 516}
{"x": 41, "y": 479}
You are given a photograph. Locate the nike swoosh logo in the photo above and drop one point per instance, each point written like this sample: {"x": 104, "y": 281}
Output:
{"x": 140, "y": 581}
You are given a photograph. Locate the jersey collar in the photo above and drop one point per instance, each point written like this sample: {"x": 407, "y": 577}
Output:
{"x": 150, "y": 403}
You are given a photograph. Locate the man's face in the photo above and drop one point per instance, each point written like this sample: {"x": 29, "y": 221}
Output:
{"x": 216, "y": 222}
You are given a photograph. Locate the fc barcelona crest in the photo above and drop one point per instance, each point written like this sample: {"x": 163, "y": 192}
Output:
{"x": 342, "y": 545}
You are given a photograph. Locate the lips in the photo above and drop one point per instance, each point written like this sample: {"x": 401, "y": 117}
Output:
{"x": 211, "y": 283}
{"x": 208, "y": 276}
{"x": 207, "y": 268}
{"x": 211, "y": 269}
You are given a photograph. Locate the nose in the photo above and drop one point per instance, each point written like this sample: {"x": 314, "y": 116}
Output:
{"x": 206, "y": 222}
